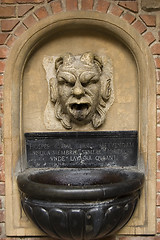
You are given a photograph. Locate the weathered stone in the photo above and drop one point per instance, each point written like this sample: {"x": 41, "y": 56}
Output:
{"x": 80, "y": 87}
{"x": 150, "y": 5}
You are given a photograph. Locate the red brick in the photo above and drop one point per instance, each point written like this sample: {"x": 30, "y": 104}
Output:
{"x": 41, "y": 13}
{"x": 11, "y": 40}
{"x": 158, "y": 75}
{"x": 158, "y": 162}
{"x": 2, "y": 216}
{"x": 1, "y": 163}
{"x": 158, "y": 212}
{"x": 158, "y": 102}
{"x": 158, "y": 135}
{"x": 158, "y": 227}
{"x": 8, "y": 25}
{"x": 29, "y": 1}
{"x": 149, "y": 37}
{"x": 139, "y": 26}
{"x": 87, "y": 5}
{"x": 158, "y": 199}
{"x": 3, "y": 52}
{"x": 56, "y": 7}
{"x": 158, "y": 89}
{"x": 2, "y": 66}
{"x": 1, "y": 80}
{"x": 158, "y": 150}
{"x": 149, "y": 20}
{"x": 2, "y": 189}
{"x": 115, "y": 10}
{"x": 102, "y": 6}
{"x": 23, "y": 9}
{"x": 19, "y": 30}
{"x": 129, "y": 17}
{"x": 155, "y": 48}
{"x": 29, "y": 21}
{"x": 71, "y": 5}
{"x": 7, "y": 11}
{"x": 158, "y": 175}
{"x": 132, "y": 6}
{"x": 158, "y": 186}
{"x": 157, "y": 62}
{"x": 3, "y": 37}
{"x": 158, "y": 117}
{"x": 2, "y": 176}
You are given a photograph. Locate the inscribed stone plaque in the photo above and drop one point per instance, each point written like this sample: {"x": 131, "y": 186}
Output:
{"x": 81, "y": 149}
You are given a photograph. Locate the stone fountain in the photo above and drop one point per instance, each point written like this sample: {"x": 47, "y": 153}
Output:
{"x": 80, "y": 184}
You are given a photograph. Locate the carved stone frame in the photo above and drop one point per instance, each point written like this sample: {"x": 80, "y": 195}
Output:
{"x": 143, "y": 221}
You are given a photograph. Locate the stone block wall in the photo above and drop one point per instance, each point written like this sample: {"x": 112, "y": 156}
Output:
{"x": 16, "y": 16}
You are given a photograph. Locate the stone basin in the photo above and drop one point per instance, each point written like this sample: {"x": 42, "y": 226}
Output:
{"x": 80, "y": 203}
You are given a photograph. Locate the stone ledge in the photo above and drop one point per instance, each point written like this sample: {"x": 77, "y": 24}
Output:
{"x": 151, "y": 5}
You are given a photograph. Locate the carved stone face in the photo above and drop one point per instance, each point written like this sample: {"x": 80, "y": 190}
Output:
{"x": 79, "y": 89}
{"x": 78, "y": 92}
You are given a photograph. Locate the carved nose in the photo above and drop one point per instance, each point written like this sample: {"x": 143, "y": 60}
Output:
{"x": 78, "y": 90}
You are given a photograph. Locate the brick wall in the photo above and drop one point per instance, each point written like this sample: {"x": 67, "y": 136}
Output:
{"x": 16, "y": 16}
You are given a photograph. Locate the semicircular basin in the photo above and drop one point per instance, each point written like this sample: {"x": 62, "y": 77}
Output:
{"x": 79, "y": 184}
{"x": 80, "y": 203}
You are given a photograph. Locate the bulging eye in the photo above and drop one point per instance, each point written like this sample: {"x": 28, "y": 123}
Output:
{"x": 61, "y": 80}
{"x": 94, "y": 79}
{"x": 84, "y": 84}
{"x": 89, "y": 81}
{"x": 69, "y": 84}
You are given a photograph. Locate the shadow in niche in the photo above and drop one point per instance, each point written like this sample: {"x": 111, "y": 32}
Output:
{"x": 90, "y": 198}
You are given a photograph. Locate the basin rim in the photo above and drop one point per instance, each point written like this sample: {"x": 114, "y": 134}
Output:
{"x": 132, "y": 182}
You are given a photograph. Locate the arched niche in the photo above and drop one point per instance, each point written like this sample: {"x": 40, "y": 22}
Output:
{"x": 21, "y": 61}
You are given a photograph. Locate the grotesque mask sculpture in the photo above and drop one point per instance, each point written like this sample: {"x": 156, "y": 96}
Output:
{"x": 80, "y": 89}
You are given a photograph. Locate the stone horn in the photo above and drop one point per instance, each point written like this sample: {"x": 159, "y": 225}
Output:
{"x": 66, "y": 60}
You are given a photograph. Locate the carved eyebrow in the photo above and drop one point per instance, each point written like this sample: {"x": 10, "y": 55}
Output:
{"x": 66, "y": 76}
{"x": 86, "y": 76}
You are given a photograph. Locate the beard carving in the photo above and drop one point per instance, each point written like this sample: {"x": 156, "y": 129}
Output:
{"x": 81, "y": 89}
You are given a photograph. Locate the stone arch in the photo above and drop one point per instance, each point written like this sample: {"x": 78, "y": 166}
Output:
{"x": 38, "y": 13}
{"x": 13, "y": 134}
